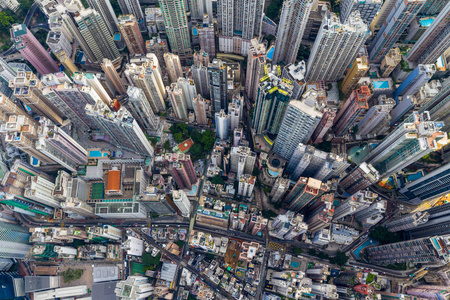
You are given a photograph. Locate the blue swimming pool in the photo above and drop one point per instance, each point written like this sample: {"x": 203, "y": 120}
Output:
{"x": 194, "y": 31}
{"x": 426, "y": 22}
{"x": 381, "y": 84}
{"x": 370, "y": 242}
{"x": 97, "y": 153}
{"x": 270, "y": 53}
{"x": 412, "y": 177}
{"x": 193, "y": 191}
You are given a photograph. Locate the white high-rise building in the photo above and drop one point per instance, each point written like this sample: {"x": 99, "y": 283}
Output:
{"x": 293, "y": 20}
{"x": 182, "y": 202}
{"x": 40, "y": 189}
{"x": 6, "y": 71}
{"x": 10, "y": 4}
{"x": 354, "y": 204}
{"x": 200, "y": 8}
{"x": 222, "y": 125}
{"x": 177, "y": 99}
{"x": 189, "y": 91}
{"x": 299, "y": 122}
{"x": 242, "y": 160}
{"x": 57, "y": 41}
{"x": 336, "y": 47}
{"x": 173, "y": 65}
{"x": 104, "y": 8}
{"x": 367, "y": 9}
{"x": 94, "y": 31}
{"x": 406, "y": 144}
{"x": 148, "y": 78}
{"x": 246, "y": 185}
{"x": 201, "y": 80}
{"x": 140, "y": 108}
{"x": 234, "y": 115}
{"x": 240, "y": 16}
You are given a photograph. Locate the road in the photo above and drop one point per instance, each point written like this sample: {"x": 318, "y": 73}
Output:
{"x": 183, "y": 263}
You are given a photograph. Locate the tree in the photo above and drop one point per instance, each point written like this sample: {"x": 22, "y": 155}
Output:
{"x": 217, "y": 180}
{"x": 167, "y": 145}
{"x": 268, "y": 214}
{"x": 312, "y": 252}
{"x": 148, "y": 260}
{"x": 208, "y": 140}
{"x": 178, "y": 137}
{"x": 273, "y": 11}
{"x": 72, "y": 274}
{"x": 25, "y": 4}
{"x": 340, "y": 259}
{"x": 196, "y": 151}
{"x": 5, "y": 20}
{"x": 297, "y": 250}
{"x": 304, "y": 51}
{"x": 382, "y": 235}
{"x": 116, "y": 7}
{"x": 270, "y": 38}
{"x": 324, "y": 146}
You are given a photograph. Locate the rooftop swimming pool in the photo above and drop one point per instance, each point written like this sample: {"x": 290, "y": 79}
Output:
{"x": 270, "y": 53}
{"x": 97, "y": 154}
{"x": 194, "y": 31}
{"x": 426, "y": 22}
{"x": 381, "y": 84}
{"x": 412, "y": 177}
{"x": 193, "y": 191}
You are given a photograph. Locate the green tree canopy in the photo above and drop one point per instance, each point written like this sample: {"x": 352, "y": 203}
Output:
{"x": 217, "y": 180}
{"x": 340, "y": 259}
{"x": 382, "y": 235}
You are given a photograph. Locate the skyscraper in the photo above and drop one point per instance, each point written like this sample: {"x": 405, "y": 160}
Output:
{"x": 242, "y": 160}
{"x": 406, "y": 144}
{"x": 293, "y": 19}
{"x": 255, "y": 66}
{"x": 272, "y": 93}
{"x": 336, "y": 47}
{"x": 436, "y": 39}
{"x": 104, "y": 8}
{"x": 128, "y": 26}
{"x": 201, "y": 79}
{"x": 60, "y": 147}
{"x": 222, "y": 124}
{"x": 234, "y": 115}
{"x": 207, "y": 37}
{"x": 14, "y": 241}
{"x": 148, "y": 78}
{"x": 358, "y": 202}
{"x": 121, "y": 128}
{"x": 94, "y": 31}
{"x": 240, "y": 17}
{"x": 200, "y": 110}
{"x": 304, "y": 191}
{"x": 131, "y": 7}
{"x": 217, "y": 75}
{"x": 390, "y": 61}
{"x": 66, "y": 61}
{"x": 28, "y": 88}
{"x": 367, "y": 9}
{"x": 324, "y": 125}
{"x": 359, "y": 178}
{"x": 173, "y": 66}
{"x": 408, "y": 221}
{"x": 397, "y": 21}
{"x": 299, "y": 122}
{"x": 181, "y": 168}
{"x": 7, "y": 73}
{"x": 56, "y": 41}
{"x": 280, "y": 187}
{"x": 430, "y": 186}
{"x": 358, "y": 69}
{"x": 140, "y": 108}
{"x": 430, "y": 251}
{"x": 200, "y": 8}
{"x": 307, "y": 161}
{"x": 375, "y": 115}
{"x": 415, "y": 80}
{"x": 182, "y": 202}
{"x": 32, "y": 50}
{"x": 175, "y": 21}
{"x": 113, "y": 76}
{"x": 432, "y": 7}
{"x": 189, "y": 91}
{"x": 177, "y": 99}
{"x": 352, "y": 109}
{"x": 382, "y": 15}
